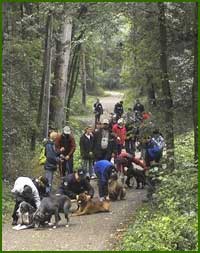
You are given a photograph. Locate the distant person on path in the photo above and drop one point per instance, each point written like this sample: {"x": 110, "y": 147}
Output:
{"x": 138, "y": 107}
{"x": 103, "y": 170}
{"x": 86, "y": 149}
{"x": 74, "y": 184}
{"x": 104, "y": 145}
{"x": 66, "y": 145}
{"x": 98, "y": 111}
{"x": 119, "y": 110}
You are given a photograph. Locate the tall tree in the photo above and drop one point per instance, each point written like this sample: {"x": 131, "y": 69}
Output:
{"x": 195, "y": 82}
{"x": 63, "y": 47}
{"x": 83, "y": 77}
{"x": 167, "y": 97}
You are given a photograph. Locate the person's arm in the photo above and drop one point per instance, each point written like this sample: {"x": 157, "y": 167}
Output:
{"x": 73, "y": 146}
{"x": 89, "y": 188}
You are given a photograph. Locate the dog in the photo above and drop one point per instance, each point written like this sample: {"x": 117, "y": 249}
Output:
{"x": 86, "y": 205}
{"x": 139, "y": 176}
{"x": 52, "y": 205}
{"x": 115, "y": 188}
{"x": 25, "y": 213}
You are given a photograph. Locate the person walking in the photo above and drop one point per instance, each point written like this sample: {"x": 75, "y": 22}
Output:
{"x": 119, "y": 110}
{"x": 98, "y": 111}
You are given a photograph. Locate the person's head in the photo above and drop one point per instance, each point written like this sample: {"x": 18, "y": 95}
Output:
{"x": 88, "y": 130}
{"x": 121, "y": 102}
{"x": 97, "y": 100}
{"x": 98, "y": 125}
{"x": 137, "y": 101}
{"x": 120, "y": 123}
{"x": 66, "y": 130}
{"x": 105, "y": 124}
{"x": 80, "y": 174}
{"x": 53, "y": 135}
{"x": 156, "y": 131}
{"x": 27, "y": 192}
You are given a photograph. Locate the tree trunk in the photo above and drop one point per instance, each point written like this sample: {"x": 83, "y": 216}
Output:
{"x": 63, "y": 47}
{"x": 44, "y": 92}
{"x": 168, "y": 103}
{"x": 47, "y": 84}
{"x": 83, "y": 78}
{"x": 195, "y": 83}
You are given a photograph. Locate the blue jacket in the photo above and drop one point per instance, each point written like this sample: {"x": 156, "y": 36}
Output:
{"x": 103, "y": 169}
{"x": 51, "y": 155}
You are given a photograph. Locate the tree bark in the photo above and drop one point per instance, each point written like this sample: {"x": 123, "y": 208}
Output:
{"x": 195, "y": 83}
{"x": 168, "y": 103}
{"x": 63, "y": 47}
{"x": 44, "y": 92}
{"x": 47, "y": 84}
{"x": 83, "y": 78}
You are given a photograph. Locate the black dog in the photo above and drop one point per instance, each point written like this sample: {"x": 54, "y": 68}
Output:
{"x": 52, "y": 205}
{"x": 139, "y": 175}
{"x": 25, "y": 212}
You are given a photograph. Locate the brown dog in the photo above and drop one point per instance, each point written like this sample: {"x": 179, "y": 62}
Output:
{"x": 115, "y": 188}
{"x": 89, "y": 206}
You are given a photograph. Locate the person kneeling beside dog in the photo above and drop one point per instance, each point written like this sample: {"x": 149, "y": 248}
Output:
{"x": 74, "y": 184}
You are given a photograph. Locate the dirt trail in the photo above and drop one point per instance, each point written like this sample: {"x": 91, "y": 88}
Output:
{"x": 90, "y": 232}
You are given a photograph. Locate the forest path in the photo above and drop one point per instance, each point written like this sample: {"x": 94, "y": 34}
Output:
{"x": 91, "y": 232}
{"x": 108, "y": 102}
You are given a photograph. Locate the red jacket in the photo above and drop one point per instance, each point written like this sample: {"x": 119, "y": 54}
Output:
{"x": 68, "y": 144}
{"x": 141, "y": 163}
{"x": 119, "y": 132}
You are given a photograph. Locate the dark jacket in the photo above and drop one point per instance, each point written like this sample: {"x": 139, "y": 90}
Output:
{"x": 51, "y": 155}
{"x": 98, "y": 151}
{"x": 98, "y": 109}
{"x": 66, "y": 141}
{"x": 71, "y": 187}
{"x": 118, "y": 109}
{"x": 138, "y": 107}
{"x": 86, "y": 146}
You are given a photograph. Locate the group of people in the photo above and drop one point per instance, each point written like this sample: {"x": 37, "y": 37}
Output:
{"x": 102, "y": 151}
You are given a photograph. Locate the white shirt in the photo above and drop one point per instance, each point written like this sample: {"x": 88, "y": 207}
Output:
{"x": 19, "y": 187}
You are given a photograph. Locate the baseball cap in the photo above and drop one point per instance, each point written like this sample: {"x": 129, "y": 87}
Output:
{"x": 120, "y": 121}
{"x": 66, "y": 130}
{"x": 105, "y": 121}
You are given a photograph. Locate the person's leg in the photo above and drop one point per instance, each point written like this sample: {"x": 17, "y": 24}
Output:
{"x": 49, "y": 176}
{"x": 91, "y": 168}
{"x": 69, "y": 165}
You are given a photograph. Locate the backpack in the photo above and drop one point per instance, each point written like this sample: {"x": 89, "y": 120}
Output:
{"x": 42, "y": 158}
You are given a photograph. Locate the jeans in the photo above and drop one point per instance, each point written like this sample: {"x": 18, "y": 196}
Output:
{"x": 88, "y": 167}
{"x": 49, "y": 176}
{"x": 102, "y": 186}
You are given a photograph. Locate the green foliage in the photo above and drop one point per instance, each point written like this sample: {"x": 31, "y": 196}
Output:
{"x": 171, "y": 222}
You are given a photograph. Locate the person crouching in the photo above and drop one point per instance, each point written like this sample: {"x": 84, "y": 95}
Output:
{"x": 103, "y": 170}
